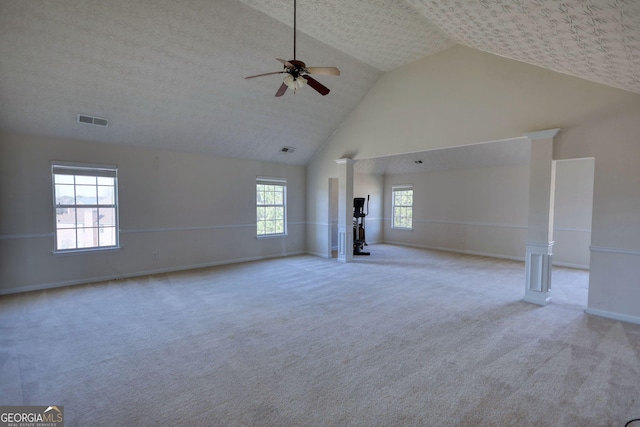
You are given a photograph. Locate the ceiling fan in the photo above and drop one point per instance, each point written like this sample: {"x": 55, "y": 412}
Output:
{"x": 297, "y": 73}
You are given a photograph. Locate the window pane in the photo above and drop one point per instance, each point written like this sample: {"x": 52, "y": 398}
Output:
{"x": 66, "y": 218}
{"x": 86, "y": 195}
{"x": 107, "y": 217}
{"x": 269, "y": 198}
{"x": 259, "y": 197}
{"x": 86, "y": 180}
{"x": 278, "y": 198}
{"x": 106, "y": 195}
{"x": 106, "y": 181}
{"x": 270, "y": 227}
{"x": 107, "y": 236}
{"x": 65, "y": 194}
{"x": 268, "y": 213}
{"x": 278, "y": 213}
{"x": 87, "y": 237}
{"x": 86, "y": 217}
{"x": 63, "y": 179}
{"x": 66, "y": 238}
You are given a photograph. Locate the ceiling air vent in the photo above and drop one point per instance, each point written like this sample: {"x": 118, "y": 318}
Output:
{"x": 91, "y": 120}
{"x": 287, "y": 150}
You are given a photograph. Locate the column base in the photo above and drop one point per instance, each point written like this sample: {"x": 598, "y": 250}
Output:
{"x": 539, "y": 298}
{"x": 345, "y": 244}
{"x": 538, "y": 272}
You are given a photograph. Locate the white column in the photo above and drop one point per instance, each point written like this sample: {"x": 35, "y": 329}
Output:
{"x": 345, "y": 209}
{"x": 539, "y": 245}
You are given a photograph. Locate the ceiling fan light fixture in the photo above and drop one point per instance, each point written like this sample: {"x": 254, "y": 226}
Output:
{"x": 294, "y": 83}
{"x": 289, "y": 81}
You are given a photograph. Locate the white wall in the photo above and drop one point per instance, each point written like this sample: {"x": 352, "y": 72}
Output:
{"x": 479, "y": 211}
{"x": 484, "y": 211}
{"x": 612, "y": 139}
{"x": 462, "y": 96}
{"x": 191, "y": 210}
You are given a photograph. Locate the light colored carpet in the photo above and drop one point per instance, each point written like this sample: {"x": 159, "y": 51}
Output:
{"x": 404, "y": 337}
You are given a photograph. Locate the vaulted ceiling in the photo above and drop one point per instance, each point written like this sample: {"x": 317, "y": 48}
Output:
{"x": 169, "y": 74}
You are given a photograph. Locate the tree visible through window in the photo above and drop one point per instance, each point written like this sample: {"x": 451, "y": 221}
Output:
{"x": 271, "y": 206}
{"x": 86, "y": 207}
{"x": 402, "y": 207}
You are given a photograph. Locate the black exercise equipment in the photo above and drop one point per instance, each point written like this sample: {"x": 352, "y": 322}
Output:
{"x": 358, "y": 226}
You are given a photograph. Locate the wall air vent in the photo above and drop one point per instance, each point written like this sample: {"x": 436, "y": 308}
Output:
{"x": 91, "y": 120}
{"x": 287, "y": 150}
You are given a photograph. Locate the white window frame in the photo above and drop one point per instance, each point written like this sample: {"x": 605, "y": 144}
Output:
{"x": 271, "y": 181}
{"x": 398, "y": 188}
{"x": 85, "y": 170}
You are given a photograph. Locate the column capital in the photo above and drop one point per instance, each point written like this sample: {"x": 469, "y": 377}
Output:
{"x": 345, "y": 161}
{"x": 543, "y": 134}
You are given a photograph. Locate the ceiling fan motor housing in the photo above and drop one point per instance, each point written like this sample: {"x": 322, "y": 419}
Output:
{"x": 298, "y": 69}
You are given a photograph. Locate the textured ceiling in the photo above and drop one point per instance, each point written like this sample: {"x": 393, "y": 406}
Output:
{"x": 597, "y": 40}
{"x": 385, "y": 34}
{"x": 169, "y": 74}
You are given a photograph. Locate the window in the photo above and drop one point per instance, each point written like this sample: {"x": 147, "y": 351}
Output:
{"x": 86, "y": 207}
{"x": 271, "y": 206}
{"x": 402, "y": 207}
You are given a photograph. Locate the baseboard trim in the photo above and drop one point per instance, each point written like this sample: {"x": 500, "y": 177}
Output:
{"x": 45, "y": 286}
{"x": 318, "y": 254}
{"x": 487, "y": 254}
{"x": 613, "y": 316}
{"x": 458, "y": 251}
{"x": 570, "y": 265}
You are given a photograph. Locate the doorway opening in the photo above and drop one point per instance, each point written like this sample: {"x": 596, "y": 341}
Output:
{"x": 572, "y": 216}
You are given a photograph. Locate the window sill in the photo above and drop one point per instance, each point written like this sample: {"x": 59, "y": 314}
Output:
{"x": 271, "y": 236}
{"x": 86, "y": 251}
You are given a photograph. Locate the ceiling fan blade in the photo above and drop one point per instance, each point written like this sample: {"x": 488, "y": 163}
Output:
{"x": 322, "y": 89}
{"x": 287, "y": 64}
{"x": 324, "y": 71}
{"x": 282, "y": 90}
{"x": 265, "y": 74}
